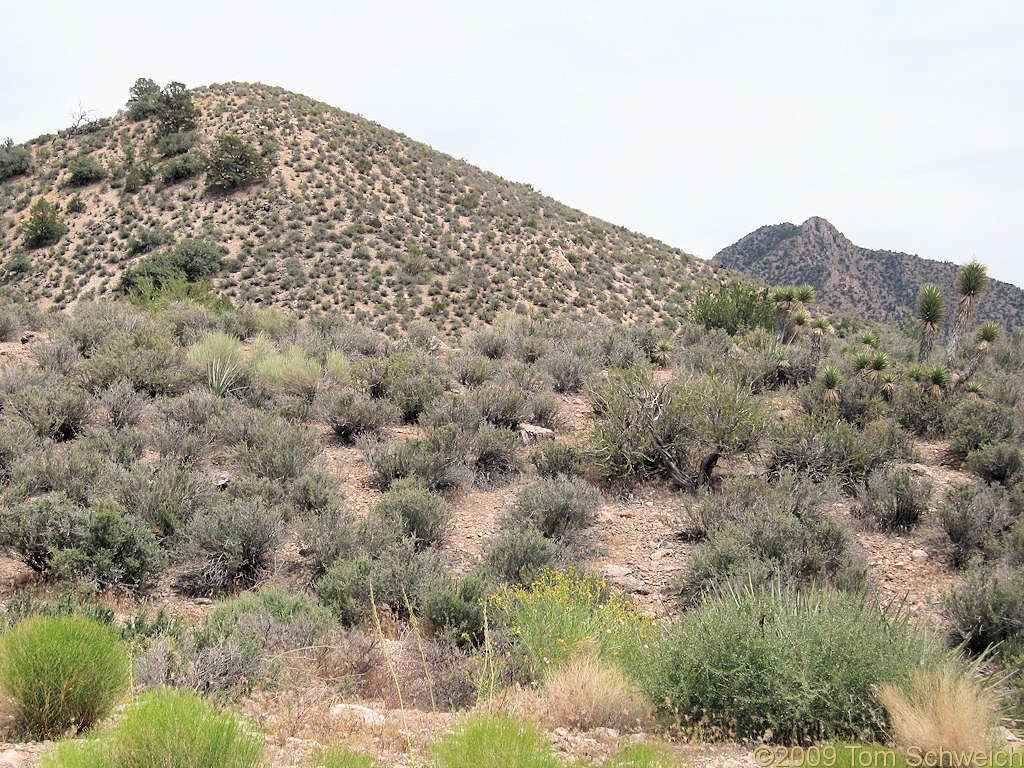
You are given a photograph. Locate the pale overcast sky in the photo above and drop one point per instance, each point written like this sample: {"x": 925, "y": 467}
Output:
{"x": 901, "y": 122}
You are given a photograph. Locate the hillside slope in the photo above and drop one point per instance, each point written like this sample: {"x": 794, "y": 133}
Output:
{"x": 878, "y": 285}
{"x": 353, "y": 218}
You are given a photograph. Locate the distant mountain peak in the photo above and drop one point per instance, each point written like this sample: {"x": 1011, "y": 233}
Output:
{"x": 878, "y": 285}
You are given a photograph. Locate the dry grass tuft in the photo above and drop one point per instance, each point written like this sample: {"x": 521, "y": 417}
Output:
{"x": 586, "y": 693}
{"x": 942, "y": 708}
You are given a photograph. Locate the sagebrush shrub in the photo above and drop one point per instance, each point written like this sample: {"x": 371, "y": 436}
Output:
{"x": 973, "y": 517}
{"x": 62, "y": 673}
{"x": 495, "y": 455}
{"x": 518, "y": 553}
{"x": 552, "y": 459}
{"x": 559, "y": 507}
{"x": 419, "y": 514}
{"x": 351, "y": 413}
{"x": 230, "y": 545}
{"x": 974, "y": 422}
{"x": 438, "y": 459}
{"x": 277, "y": 451}
{"x": 895, "y": 499}
{"x": 784, "y": 666}
{"x": 995, "y": 462}
{"x": 54, "y": 408}
{"x": 165, "y": 495}
{"x": 988, "y": 608}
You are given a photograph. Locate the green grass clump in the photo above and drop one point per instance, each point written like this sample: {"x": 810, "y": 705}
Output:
{"x": 802, "y": 665}
{"x": 62, "y": 673}
{"x": 344, "y": 757}
{"x": 171, "y": 729}
{"x": 490, "y": 741}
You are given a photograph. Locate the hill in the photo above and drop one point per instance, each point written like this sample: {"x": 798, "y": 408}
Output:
{"x": 352, "y": 217}
{"x": 878, "y": 285}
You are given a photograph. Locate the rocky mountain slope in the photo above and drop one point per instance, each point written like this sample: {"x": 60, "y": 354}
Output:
{"x": 352, "y": 217}
{"x": 878, "y": 285}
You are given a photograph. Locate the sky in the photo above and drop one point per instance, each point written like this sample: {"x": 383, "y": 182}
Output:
{"x": 901, "y": 122}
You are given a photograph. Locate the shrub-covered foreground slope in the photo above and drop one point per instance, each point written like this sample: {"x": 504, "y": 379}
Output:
{"x": 373, "y": 544}
{"x": 312, "y": 207}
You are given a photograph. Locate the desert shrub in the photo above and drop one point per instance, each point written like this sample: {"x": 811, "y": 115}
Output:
{"x": 486, "y": 740}
{"x": 54, "y": 408}
{"x": 494, "y": 456}
{"x": 494, "y": 343}
{"x": 563, "y": 613}
{"x": 234, "y": 164}
{"x": 61, "y": 673}
{"x": 642, "y": 755}
{"x": 176, "y": 729}
{"x": 552, "y": 459}
{"x": 568, "y": 370}
{"x": 584, "y": 693}
{"x": 943, "y": 709}
{"x": 750, "y": 496}
{"x": 351, "y": 413}
{"x": 438, "y": 459}
{"x": 15, "y": 159}
{"x": 190, "y": 260}
{"x": 560, "y": 507}
{"x": 785, "y": 666}
{"x": 277, "y": 451}
{"x": 502, "y": 405}
{"x": 58, "y": 355}
{"x": 995, "y": 462}
{"x": 165, "y": 495}
{"x": 895, "y": 499}
{"x": 44, "y": 225}
{"x": 733, "y": 307}
{"x": 84, "y": 170}
{"x": 974, "y": 518}
{"x": 919, "y": 412}
{"x": 182, "y": 167}
{"x": 327, "y": 536}
{"x": 472, "y": 370}
{"x": 148, "y": 360}
{"x": 416, "y": 512}
{"x": 543, "y": 408}
{"x": 518, "y": 554}
{"x": 272, "y": 619}
{"x": 396, "y": 576}
{"x": 10, "y": 324}
{"x": 15, "y": 442}
{"x": 230, "y": 545}
{"x": 72, "y": 468}
{"x": 973, "y": 422}
{"x": 773, "y": 545}
{"x": 315, "y": 491}
{"x": 55, "y": 536}
{"x": 451, "y": 409}
{"x": 988, "y": 608}
{"x": 680, "y": 430}
{"x": 412, "y": 394}
{"x": 819, "y": 448}
{"x": 292, "y": 372}
{"x": 454, "y": 607}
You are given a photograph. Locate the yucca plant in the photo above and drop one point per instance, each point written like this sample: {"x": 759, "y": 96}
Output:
{"x": 937, "y": 380}
{"x": 819, "y": 327}
{"x": 931, "y": 310}
{"x": 830, "y": 379}
{"x": 988, "y": 334}
{"x": 971, "y": 283}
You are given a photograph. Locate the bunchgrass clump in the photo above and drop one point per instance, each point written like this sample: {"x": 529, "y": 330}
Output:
{"x": 171, "y": 729}
{"x": 790, "y": 666}
{"x": 62, "y": 673}
{"x": 494, "y": 740}
{"x": 340, "y": 756}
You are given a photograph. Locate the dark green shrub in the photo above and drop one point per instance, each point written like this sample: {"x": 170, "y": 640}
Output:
{"x": 176, "y": 144}
{"x": 85, "y": 170}
{"x": 169, "y": 728}
{"x": 773, "y": 546}
{"x": 231, "y": 545}
{"x": 792, "y": 667}
{"x": 995, "y": 462}
{"x": 895, "y": 499}
{"x": 495, "y": 455}
{"x": 419, "y": 514}
{"x": 974, "y": 518}
{"x": 184, "y": 167}
{"x": 55, "y": 536}
{"x": 988, "y": 608}
{"x": 175, "y": 111}
{"x": 62, "y": 673}
{"x": 733, "y": 307}
{"x": 974, "y": 422}
{"x": 552, "y": 459}
{"x": 76, "y": 205}
{"x": 14, "y": 160}
{"x": 517, "y": 554}
{"x": 560, "y": 507}
{"x": 350, "y": 413}
{"x": 44, "y": 225}
{"x": 143, "y": 99}
{"x": 190, "y": 260}
{"x": 234, "y": 164}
